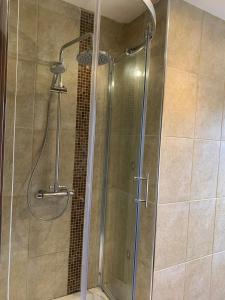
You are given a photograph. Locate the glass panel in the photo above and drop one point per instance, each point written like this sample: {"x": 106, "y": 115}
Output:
{"x": 3, "y": 211}
{"x": 46, "y": 255}
{"x": 45, "y": 245}
{"x": 152, "y": 154}
{"x": 126, "y": 113}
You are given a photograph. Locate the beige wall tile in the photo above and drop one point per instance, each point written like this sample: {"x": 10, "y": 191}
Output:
{"x": 18, "y": 286}
{"x": 154, "y": 109}
{"x": 43, "y": 282}
{"x": 198, "y": 279}
{"x": 12, "y": 31}
{"x": 179, "y": 103}
{"x": 43, "y": 81}
{"x": 7, "y": 168}
{"x": 5, "y": 223}
{"x": 169, "y": 283}
{"x": 49, "y": 237}
{"x": 218, "y": 277}
{"x": 67, "y": 157}
{"x": 3, "y": 285}
{"x": 20, "y": 227}
{"x": 205, "y": 169}
{"x": 102, "y": 101}
{"x": 95, "y": 237}
{"x": 151, "y": 164}
{"x": 61, "y": 279}
{"x": 201, "y": 228}
{"x": 211, "y": 95}
{"x": 223, "y": 128}
{"x": 221, "y": 176}
{"x": 25, "y": 94}
{"x": 147, "y": 231}
{"x": 60, "y": 7}
{"x": 99, "y": 163}
{"x": 158, "y": 44}
{"x": 23, "y": 160}
{"x": 28, "y": 29}
{"x": 40, "y": 113}
{"x": 142, "y": 289}
{"x": 212, "y": 58}
{"x": 175, "y": 170}
{"x": 193, "y": 106}
{"x": 109, "y": 33}
{"x": 184, "y": 36}
{"x": 171, "y": 236}
{"x": 146, "y": 251}
{"x": 11, "y": 75}
{"x": 219, "y": 232}
{"x": 48, "y": 45}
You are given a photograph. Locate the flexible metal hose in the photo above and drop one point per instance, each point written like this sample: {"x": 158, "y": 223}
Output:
{"x": 36, "y": 165}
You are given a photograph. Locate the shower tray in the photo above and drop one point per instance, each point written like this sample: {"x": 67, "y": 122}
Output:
{"x": 93, "y": 294}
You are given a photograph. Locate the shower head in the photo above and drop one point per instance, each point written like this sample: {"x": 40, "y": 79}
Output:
{"x": 85, "y": 58}
{"x": 57, "y": 68}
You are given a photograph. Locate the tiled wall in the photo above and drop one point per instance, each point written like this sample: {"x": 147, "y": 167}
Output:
{"x": 41, "y": 250}
{"x": 39, "y": 262}
{"x": 190, "y": 244}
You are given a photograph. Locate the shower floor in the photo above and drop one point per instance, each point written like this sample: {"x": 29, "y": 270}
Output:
{"x": 93, "y": 294}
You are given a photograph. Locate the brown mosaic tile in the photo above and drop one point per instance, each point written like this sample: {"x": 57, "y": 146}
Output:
{"x": 80, "y": 160}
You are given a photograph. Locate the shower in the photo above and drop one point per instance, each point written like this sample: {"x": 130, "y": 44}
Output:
{"x": 77, "y": 150}
{"x": 56, "y": 190}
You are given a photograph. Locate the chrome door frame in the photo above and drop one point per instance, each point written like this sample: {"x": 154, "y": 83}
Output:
{"x": 140, "y": 174}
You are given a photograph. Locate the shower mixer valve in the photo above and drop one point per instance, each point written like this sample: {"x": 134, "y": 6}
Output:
{"x": 61, "y": 191}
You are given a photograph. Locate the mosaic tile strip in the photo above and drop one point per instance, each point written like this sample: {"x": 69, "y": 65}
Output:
{"x": 80, "y": 160}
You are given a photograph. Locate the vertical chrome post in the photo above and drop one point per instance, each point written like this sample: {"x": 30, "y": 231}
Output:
{"x": 57, "y": 152}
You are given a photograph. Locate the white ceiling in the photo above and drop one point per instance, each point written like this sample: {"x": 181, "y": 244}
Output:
{"x": 122, "y": 11}
{"x": 214, "y": 7}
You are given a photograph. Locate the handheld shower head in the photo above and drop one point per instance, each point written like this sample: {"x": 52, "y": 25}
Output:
{"x": 57, "y": 68}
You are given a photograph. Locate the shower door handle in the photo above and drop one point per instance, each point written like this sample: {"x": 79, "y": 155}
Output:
{"x": 146, "y": 180}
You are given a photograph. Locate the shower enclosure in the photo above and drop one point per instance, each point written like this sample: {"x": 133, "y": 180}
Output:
{"x": 81, "y": 148}
{"x": 125, "y": 176}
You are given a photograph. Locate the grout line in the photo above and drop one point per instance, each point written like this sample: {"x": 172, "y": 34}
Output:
{"x": 190, "y": 260}
{"x": 192, "y": 138}
{"x": 191, "y": 201}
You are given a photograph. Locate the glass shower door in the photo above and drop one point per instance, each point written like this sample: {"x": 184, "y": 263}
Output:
{"x": 124, "y": 188}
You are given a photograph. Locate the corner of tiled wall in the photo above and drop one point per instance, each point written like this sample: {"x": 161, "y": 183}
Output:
{"x": 190, "y": 244}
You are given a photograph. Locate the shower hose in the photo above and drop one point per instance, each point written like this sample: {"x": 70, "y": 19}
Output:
{"x": 43, "y": 144}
